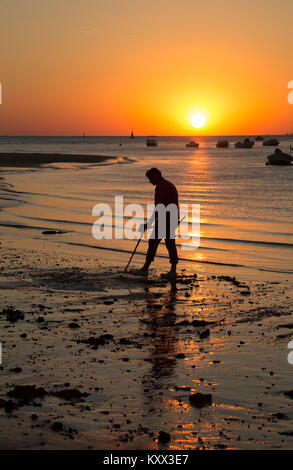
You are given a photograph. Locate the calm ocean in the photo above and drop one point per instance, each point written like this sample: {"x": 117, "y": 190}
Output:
{"x": 246, "y": 207}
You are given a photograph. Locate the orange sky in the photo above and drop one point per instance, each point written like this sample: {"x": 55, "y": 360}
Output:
{"x": 104, "y": 66}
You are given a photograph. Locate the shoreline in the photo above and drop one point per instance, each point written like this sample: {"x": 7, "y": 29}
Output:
{"x": 18, "y": 159}
{"x": 45, "y": 158}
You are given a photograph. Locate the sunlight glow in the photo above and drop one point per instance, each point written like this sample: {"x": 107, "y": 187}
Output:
{"x": 198, "y": 120}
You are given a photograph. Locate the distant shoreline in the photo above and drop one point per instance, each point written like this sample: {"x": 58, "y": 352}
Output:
{"x": 37, "y": 159}
{"x": 142, "y": 136}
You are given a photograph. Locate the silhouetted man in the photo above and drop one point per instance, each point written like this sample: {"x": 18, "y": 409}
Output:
{"x": 166, "y": 221}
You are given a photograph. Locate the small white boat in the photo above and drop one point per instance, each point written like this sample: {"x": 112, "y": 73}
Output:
{"x": 151, "y": 143}
{"x": 192, "y": 143}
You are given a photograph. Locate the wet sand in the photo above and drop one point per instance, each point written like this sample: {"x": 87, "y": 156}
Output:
{"x": 95, "y": 358}
{"x": 29, "y": 160}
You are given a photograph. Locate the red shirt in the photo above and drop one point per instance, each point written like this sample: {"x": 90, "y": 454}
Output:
{"x": 166, "y": 193}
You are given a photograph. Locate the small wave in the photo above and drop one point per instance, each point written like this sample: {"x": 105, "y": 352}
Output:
{"x": 125, "y": 160}
{"x": 215, "y": 239}
{"x": 14, "y": 225}
{"x": 252, "y": 242}
{"x": 56, "y": 196}
{"x": 30, "y": 227}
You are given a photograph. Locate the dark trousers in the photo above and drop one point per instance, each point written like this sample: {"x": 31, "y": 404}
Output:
{"x": 169, "y": 237}
{"x": 170, "y": 245}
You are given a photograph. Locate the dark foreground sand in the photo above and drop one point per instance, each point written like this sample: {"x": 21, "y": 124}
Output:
{"x": 94, "y": 358}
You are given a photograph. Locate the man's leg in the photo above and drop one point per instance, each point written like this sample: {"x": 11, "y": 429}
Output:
{"x": 170, "y": 241}
{"x": 173, "y": 256}
{"x": 151, "y": 253}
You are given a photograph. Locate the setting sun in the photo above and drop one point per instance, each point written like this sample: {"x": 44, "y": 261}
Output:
{"x": 198, "y": 120}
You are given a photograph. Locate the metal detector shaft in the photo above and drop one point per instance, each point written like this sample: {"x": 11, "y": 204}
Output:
{"x": 133, "y": 253}
{"x": 138, "y": 242}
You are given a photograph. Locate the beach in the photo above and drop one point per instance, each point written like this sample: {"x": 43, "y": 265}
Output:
{"x": 96, "y": 358}
{"x": 125, "y": 355}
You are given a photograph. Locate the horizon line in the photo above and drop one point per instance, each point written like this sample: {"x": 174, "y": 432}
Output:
{"x": 145, "y": 136}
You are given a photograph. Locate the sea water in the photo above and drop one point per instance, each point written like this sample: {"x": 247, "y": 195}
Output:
{"x": 246, "y": 207}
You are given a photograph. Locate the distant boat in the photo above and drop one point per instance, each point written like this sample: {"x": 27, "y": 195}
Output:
{"x": 192, "y": 143}
{"x": 131, "y": 135}
{"x": 271, "y": 142}
{"x": 259, "y": 137}
{"x": 246, "y": 144}
{"x": 279, "y": 158}
{"x": 83, "y": 135}
{"x": 151, "y": 143}
{"x": 222, "y": 144}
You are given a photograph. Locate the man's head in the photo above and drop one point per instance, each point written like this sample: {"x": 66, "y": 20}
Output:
{"x": 154, "y": 175}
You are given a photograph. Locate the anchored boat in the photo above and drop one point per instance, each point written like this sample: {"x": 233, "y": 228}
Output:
{"x": 151, "y": 143}
{"x": 192, "y": 143}
{"x": 222, "y": 144}
{"x": 279, "y": 158}
{"x": 246, "y": 144}
{"x": 271, "y": 142}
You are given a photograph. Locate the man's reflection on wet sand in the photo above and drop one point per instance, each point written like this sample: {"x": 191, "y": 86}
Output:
{"x": 161, "y": 308}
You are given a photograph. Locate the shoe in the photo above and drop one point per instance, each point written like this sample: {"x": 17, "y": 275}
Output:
{"x": 139, "y": 272}
{"x": 169, "y": 275}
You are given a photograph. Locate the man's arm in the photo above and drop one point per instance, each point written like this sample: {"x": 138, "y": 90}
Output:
{"x": 148, "y": 224}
